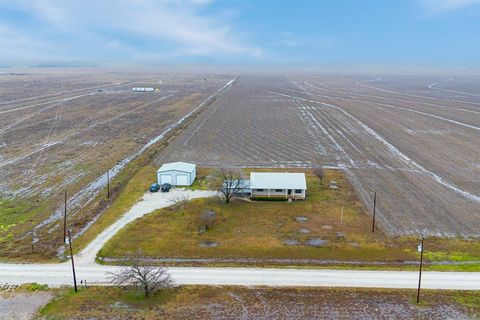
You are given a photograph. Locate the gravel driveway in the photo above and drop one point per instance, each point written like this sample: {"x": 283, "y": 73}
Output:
{"x": 149, "y": 202}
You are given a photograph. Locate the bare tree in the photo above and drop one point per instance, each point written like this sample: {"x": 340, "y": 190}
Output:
{"x": 206, "y": 220}
{"x": 179, "y": 200}
{"x": 138, "y": 275}
{"x": 319, "y": 172}
{"x": 229, "y": 181}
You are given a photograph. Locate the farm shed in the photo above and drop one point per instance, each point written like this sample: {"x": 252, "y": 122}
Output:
{"x": 177, "y": 173}
{"x": 290, "y": 185}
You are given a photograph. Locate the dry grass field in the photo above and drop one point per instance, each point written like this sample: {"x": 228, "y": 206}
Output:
{"x": 201, "y": 302}
{"x": 64, "y": 130}
{"x": 413, "y": 140}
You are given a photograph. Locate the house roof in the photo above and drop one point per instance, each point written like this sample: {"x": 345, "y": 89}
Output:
{"x": 277, "y": 180}
{"x": 177, "y": 166}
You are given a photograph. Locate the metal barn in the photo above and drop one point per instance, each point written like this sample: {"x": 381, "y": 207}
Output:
{"x": 177, "y": 173}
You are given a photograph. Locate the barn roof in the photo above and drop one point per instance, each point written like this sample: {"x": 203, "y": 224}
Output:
{"x": 278, "y": 180}
{"x": 177, "y": 166}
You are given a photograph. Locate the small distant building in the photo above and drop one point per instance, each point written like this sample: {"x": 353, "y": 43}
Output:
{"x": 289, "y": 185}
{"x": 177, "y": 173}
{"x": 142, "y": 89}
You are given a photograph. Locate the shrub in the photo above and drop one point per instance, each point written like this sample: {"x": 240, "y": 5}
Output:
{"x": 206, "y": 220}
{"x": 31, "y": 287}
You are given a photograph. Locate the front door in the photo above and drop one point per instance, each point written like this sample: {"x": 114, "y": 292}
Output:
{"x": 289, "y": 192}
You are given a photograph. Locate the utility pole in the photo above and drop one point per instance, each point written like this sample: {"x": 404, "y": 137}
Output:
{"x": 65, "y": 218}
{"x": 420, "y": 249}
{"x": 374, "y": 210}
{"x": 71, "y": 257}
{"x": 108, "y": 184}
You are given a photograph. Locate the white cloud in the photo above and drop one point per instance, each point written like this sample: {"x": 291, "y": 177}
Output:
{"x": 442, "y": 6}
{"x": 140, "y": 28}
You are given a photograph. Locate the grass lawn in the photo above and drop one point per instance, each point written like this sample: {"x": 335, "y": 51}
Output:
{"x": 265, "y": 230}
{"x": 230, "y": 302}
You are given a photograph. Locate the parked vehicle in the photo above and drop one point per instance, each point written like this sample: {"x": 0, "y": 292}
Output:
{"x": 166, "y": 187}
{"x": 154, "y": 187}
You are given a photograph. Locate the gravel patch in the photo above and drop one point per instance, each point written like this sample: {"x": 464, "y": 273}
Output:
{"x": 22, "y": 306}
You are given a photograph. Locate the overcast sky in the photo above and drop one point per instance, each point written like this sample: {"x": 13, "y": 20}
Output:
{"x": 364, "y": 32}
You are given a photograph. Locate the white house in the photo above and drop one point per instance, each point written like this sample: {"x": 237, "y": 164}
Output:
{"x": 177, "y": 173}
{"x": 289, "y": 185}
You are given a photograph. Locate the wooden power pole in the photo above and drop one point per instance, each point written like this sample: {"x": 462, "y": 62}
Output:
{"x": 420, "y": 249}
{"x": 73, "y": 263}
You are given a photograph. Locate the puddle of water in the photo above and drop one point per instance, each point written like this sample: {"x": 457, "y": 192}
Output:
{"x": 208, "y": 244}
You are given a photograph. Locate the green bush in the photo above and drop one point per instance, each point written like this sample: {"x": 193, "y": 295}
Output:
{"x": 31, "y": 287}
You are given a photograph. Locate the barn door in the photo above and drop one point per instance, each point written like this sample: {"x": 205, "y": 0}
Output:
{"x": 165, "y": 178}
{"x": 182, "y": 180}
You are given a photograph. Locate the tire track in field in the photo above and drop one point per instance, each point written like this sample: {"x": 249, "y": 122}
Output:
{"x": 431, "y": 144}
{"x": 76, "y": 133}
{"x": 338, "y": 125}
{"x": 330, "y": 89}
{"x": 432, "y": 85}
{"x": 362, "y": 83}
{"x": 466, "y": 125}
{"x": 391, "y": 177}
{"x": 394, "y": 151}
{"x": 326, "y": 130}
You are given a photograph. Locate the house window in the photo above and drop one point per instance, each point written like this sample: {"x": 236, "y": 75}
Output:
{"x": 298, "y": 191}
{"x": 260, "y": 190}
{"x": 278, "y": 190}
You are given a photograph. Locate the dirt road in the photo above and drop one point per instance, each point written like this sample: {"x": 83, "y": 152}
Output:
{"x": 61, "y": 274}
